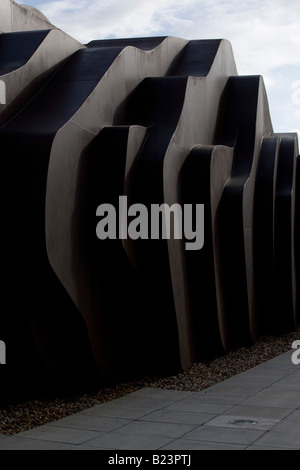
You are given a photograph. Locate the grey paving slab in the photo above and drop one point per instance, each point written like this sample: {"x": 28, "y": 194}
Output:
{"x": 115, "y": 410}
{"x": 273, "y": 368}
{"x": 183, "y": 444}
{"x": 19, "y": 443}
{"x": 214, "y": 397}
{"x": 272, "y": 397}
{"x": 279, "y": 366}
{"x": 287, "y": 426}
{"x": 225, "y": 435}
{"x": 160, "y": 393}
{"x": 145, "y": 402}
{"x": 259, "y": 411}
{"x": 194, "y": 406}
{"x": 282, "y": 364}
{"x": 294, "y": 417}
{"x": 280, "y": 440}
{"x": 88, "y": 422}
{"x": 257, "y": 381}
{"x": 179, "y": 417}
{"x": 120, "y": 441}
{"x": 83, "y": 447}
{"x": 291, "y": 382}
{"x": 59, "y": 434}
{"x": 283, "y": 368}
{"x": 234, "y": 390}
{"x": 296, "y": 371}
{"x": 159, "y": 429}
{"x": 291, "y": 424}
{"x": 284, "y": 359}
{"x": 263, "y": 377}
{"x": 255, "y": 447}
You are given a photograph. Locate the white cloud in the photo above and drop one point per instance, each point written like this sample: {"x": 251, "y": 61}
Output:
{"x": 264, "y": 34}
{"x": 94, "y": 19}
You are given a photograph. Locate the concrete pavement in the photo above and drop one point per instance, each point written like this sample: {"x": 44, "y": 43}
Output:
{"x": 256, "y": 410}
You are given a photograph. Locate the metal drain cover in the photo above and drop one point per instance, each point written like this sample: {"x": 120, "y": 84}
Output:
{"x": 243, "y": 422}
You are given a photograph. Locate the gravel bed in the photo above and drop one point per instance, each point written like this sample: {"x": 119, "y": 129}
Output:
{"x": 21, "y": 417}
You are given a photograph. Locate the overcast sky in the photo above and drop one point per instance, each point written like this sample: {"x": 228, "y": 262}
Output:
{"x": 265, "y": 35}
